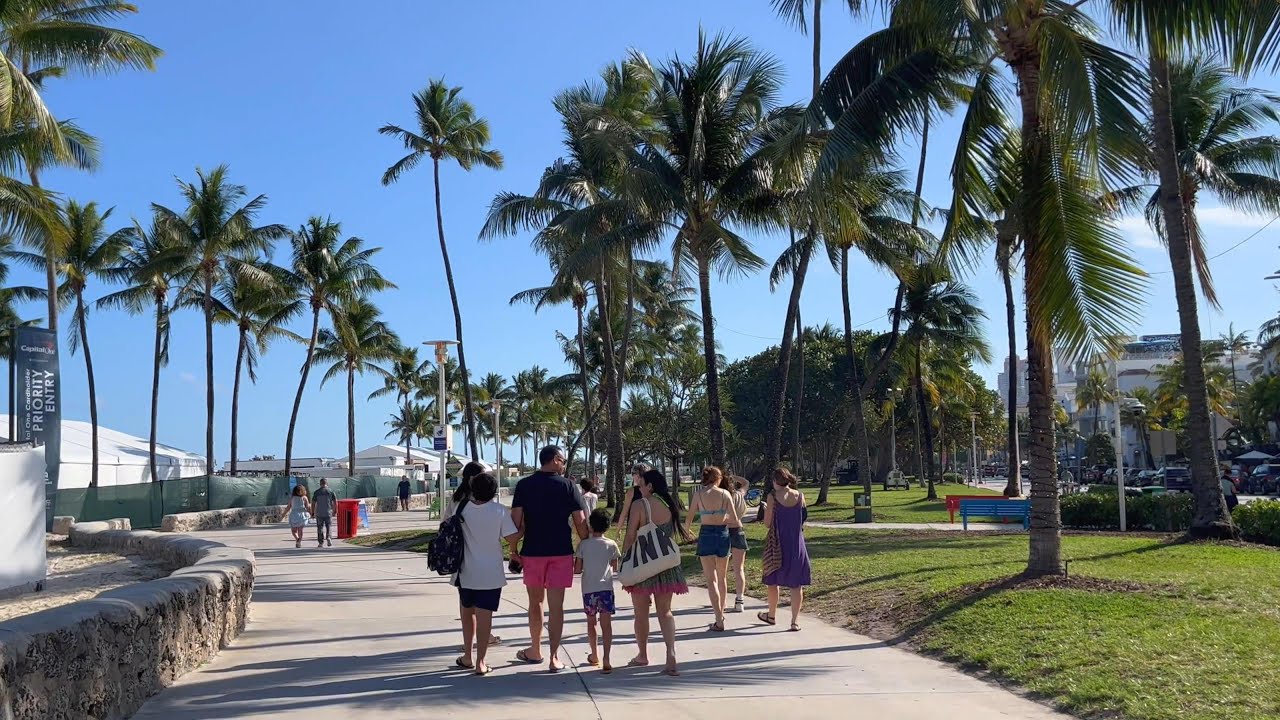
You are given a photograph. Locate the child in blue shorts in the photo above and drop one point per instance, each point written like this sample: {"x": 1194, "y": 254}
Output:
{"x": 597, "y": 560}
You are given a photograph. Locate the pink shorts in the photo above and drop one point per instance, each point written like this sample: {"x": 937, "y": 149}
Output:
{"x": 555, "y": 572}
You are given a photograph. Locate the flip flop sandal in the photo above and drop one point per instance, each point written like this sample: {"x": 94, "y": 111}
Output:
{"x": 460, "y": 664}
{"x": 794, "y": 627}
{"x": 765, "y": 618}
{"x": 485, "y": 671}
{"x": 523, "y": 656}
{"x": 717, "y": 626}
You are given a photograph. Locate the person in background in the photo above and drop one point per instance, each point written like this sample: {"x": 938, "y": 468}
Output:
{"x": 713, "y": 505}
{"x": 403, "y": 490}
{"x": 738, "y": 544}
{"x": 299, "y": 511}
{"x": 485, "y": 524}
{"x": 657, "y": 506}
{"x": 543, "y": 505}
{"x": 784, "y": 516}
{"x": 637, "y": 471}
{"x": 589, "y": 496}
{"x": 1229, "y": 491}
{"x": 597, "y": 560}
{"x": 323, "y": 503}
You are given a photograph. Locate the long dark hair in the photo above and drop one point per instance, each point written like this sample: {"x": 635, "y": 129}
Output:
{"x": 657, "y": 483}
{"x": 469, "y": 471}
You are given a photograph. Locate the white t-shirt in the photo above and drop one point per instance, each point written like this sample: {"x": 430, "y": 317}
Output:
{"x": 589, "y": 500}
{"x": 598, "y": 554}
{"x": 483, "y": 528}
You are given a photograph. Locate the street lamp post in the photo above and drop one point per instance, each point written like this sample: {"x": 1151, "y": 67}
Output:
{"x": 1115, "y": 377}
{"x": 973, "y": 451}
{"x": 495, "y": 405}
{"x": 893, "y": 431}
{"x": 442, "y": 356}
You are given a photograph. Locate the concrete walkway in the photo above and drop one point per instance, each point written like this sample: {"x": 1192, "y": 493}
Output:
{"x": 1011, "y": 527}
{"x": 348, "y": 632}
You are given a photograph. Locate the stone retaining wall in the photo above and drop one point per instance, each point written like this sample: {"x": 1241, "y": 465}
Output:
{"x": 264, "y": 515}
{"x": 102, "y": 658}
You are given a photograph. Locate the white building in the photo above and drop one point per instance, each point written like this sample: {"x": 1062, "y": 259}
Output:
{"x": 123, "y": 459}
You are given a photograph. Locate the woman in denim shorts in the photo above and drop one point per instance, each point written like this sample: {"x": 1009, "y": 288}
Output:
{"x": 713, "y": 505}
{"x": 737, "y": 542}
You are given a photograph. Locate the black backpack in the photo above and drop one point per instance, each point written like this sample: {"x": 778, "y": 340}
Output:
{"x": 444, "y": 552}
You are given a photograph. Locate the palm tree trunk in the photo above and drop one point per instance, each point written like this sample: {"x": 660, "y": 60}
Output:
{"x": 926, "y": 424}
{"x": 716, "y": 422}
{"x": 782, "y": 370}
{"x": 609, "y": 385}
{"x": 1013, "y": 484}
{"x": 587, "y": 420}
{"x": 235, "y": 401}
{"x": 93, "y": 390}
{"x": 468, "y": 416}
{"x": 1045, "y": 547}
{"x": 50, "y": 263}
{"x": 798, "y": 405}
{"x": 1211, "y": 518}
{"x": 302, "y": 385}
{"x": 208, "y": 369}
{"x": 856, "y": 389}
{"x": 351, "y": 422}
{"x": 155, "y": 390}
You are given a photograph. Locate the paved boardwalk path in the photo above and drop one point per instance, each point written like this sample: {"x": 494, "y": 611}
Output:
{"x": 352, "y": 632}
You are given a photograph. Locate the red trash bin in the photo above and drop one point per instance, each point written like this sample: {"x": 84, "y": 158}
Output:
{"x": 348, "y": 518}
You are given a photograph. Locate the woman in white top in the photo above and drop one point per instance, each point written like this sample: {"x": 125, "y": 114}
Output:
{"x": 485, "y": 524}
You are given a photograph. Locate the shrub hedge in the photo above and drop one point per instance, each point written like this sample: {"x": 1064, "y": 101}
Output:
{"x": 1259, "y": 521}
{"x": 1100, "y": 511}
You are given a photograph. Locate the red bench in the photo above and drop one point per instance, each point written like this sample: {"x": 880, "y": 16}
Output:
{"x": 953, "y": 502}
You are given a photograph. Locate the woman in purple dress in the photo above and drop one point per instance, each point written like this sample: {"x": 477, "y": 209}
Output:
{"x": 784, "y": 516}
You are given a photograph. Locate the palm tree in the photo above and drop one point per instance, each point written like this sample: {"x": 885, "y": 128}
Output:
{"x": 701, "y": 171}
{"x": 357, "y": 342}
{"x": 411, "y": 420}
{"x": 448, "y": 129}
{"x": 42, "y": 40}
{"x": 939, "y": 314}
{"x": 492, "y": 387}
{"x": 795, "y": 12}
{"x": 1233, "y": 343}
{"x": 152, "y": 266}
{"x": 1094, "y": 392}
{"x": 259, "y": 303}
{"x": 216, "y": 231}
{"x": 1074, "y": 95}
{"x": 403, "y": 379}
{"x": 327, "y": 272}
{"x": 88, "y": 252}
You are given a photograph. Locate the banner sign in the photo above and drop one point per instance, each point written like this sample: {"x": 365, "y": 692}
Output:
{"x": 39, "y": 400}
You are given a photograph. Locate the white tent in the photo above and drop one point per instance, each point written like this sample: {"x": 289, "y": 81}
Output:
{"x": 1254, "y": 455}
{"x": 122, "y": 458}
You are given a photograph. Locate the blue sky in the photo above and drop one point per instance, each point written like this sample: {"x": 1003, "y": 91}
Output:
{"x": 290, "y": 95}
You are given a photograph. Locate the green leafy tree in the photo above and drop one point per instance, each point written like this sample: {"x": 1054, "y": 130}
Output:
{"x": 447, "y": 129}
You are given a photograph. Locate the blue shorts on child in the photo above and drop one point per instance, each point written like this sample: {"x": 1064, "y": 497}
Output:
{"x": 598, "y": 602}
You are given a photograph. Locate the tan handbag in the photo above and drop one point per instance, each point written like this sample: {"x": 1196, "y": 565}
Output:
{"x": 653, "y": 552}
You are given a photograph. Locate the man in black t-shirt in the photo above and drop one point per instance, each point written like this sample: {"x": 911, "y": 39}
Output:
{"x": 542, "y": 506}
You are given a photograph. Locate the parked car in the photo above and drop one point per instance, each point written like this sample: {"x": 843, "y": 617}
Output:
{"x": 1174, "y": 479}
{"x": 1146, "y": 478}
{"x": 1264, "y": 480}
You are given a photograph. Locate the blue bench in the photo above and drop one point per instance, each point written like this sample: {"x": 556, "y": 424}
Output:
{"x": 1020, "y": 509}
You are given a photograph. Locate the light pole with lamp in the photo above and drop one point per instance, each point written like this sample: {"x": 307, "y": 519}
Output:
{"x": 495, "y": 406}
{"x": 1115, "y": 378}
{"x": 442, "y": 437}
{"x": 973, "y": 451}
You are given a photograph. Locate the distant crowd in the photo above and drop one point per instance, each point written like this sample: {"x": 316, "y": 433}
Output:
{"x": 548, "y": 510}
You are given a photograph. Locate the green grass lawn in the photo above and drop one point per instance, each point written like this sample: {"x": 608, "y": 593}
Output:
{"x": 1145, "y": 628}
{"x": 898, "y": 506}
{"x": 411, "y": 540}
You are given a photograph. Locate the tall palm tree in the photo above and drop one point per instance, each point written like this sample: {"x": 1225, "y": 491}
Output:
{"x": 403, "y": 379}
{"x": 447, "y": 129}
{"x": 1074, "y": 96}
{"x": 153, "y": 265}
{"x": 44, "y": 39}
{"x": 327, "y": 272}
{"x": 492, "y": 387}
{"x": 701, "y": 170}
{"x": 259, "y": 303}
{"x": 939, "y": 314}
{"x": 216, "y": 228}
{"x": 87, "y": 252}
{"x": 1234, "y": 343}
{"x": 358, "y": 341}
{"x": 795, "y": 11}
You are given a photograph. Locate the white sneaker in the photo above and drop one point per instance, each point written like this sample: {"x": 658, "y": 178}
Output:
{"x": 738, "y": 606}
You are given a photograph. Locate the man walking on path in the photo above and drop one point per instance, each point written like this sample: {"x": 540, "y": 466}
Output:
{"x": 542, "y": 507}
{"x": 323, "y": 503}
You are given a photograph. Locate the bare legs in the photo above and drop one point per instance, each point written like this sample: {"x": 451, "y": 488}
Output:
{"x": 484, "y": 628}
{"x": 554, "y": 598}
{"x": 667, "y": 621}
{"x": 468, "y": 636}
{"x": 797, "y": 603}
{"x": 737, "y": 565}
{"x": 640, "y": 603}
{"x": 605, "y": 634}
{"x": 713, "y": 573}
{"x": 297, "y": 535}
